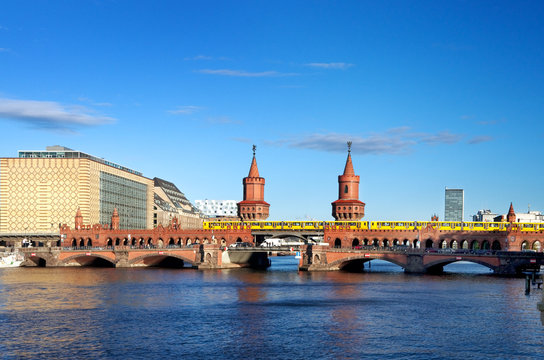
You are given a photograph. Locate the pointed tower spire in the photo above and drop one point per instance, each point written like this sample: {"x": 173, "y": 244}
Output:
{"x": 348, "y": 206}
{"x": 511, "y": 216}
{"x": 348, "y": 169}
{"x": 79, "y": 219}
{"x": 253, "y": 207}
{"x": 254, "y": 170}
{"x": 115, "y": 220}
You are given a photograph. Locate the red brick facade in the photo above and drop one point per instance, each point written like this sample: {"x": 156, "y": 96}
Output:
{"x": 348, "y": 206}
{"x": 253, "y": 207}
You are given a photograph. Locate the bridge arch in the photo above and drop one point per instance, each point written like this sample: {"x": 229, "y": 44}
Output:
{"x": 428, "y": 243}
{"x": 385, "y": 242}
{"x": 38, "y": 261}
{"x": 496, "y": 245}
{"x": 95, "y": 260}
{"x": 475, "y": 245}
{"x": 454, "y": 244}
{"x": 89, "y": 242}
{"x": 165, "y": 260}
{"x": 443, "y": 244}
{"x": 464, "y": 244}
{"x": 337, "y": 243}
{"x": 438, "y": 266}
{"x": 536, "y": 245}
{"x": 355, "y": 242}
{"x": 356, "y": 262}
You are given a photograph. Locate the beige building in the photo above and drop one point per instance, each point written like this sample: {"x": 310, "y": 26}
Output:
{"x": 170, "y": 202}
{"x": 41, "y": 189}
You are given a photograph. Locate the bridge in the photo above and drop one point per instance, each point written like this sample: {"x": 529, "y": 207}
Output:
{"x": 199, "y": 256}
{"x": 419, "y": 261}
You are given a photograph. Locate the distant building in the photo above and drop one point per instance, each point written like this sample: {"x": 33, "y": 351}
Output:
{"x": 217, "y": 208}
{"x": 41, "y": 189}
{"x": 454, "y": 204}
{"x": 484, "y": 215}
{"x": 528, "y": 217}
{"x": 170, "y": 202}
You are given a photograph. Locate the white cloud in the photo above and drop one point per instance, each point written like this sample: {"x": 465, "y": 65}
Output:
{"x": 394, "y": 141}
{"x": 185, "y": 110}
{"x": 242, "y": 73}
{"x": 50, "y": 114}
{"x": 479, "y": 139}
{"x": 331, "y": 65}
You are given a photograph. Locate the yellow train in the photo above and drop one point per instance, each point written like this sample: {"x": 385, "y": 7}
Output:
{"x": 377, "y": 225}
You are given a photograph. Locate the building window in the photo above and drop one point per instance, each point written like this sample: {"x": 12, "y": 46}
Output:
{"x": 346, "y": 189}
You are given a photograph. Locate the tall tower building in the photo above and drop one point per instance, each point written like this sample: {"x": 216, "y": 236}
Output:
{"x": 253, "y": 207}
{"x": 454, "y": 204}
{"x": 348, "y": 206}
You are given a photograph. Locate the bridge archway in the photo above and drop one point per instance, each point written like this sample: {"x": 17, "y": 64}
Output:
{"x": 117, "y": 241}
{"x": 536, "y": 246}
{"x": 524, "y": 245}
{"x": 464, "y": 244}
{"x": 223, "y": 242}
{"x": 89, "y": 242}
{"x": 109, "y": 242}
{"x": 485, "y": 245}
{"x": 81, "y": 242}
{"x": 428, "y": 244}
{"x": 74, "y": 243}
{"x": 337, "y": 243}
{"x": 167, "y": 261}
{"x": 443, "y": 244}
{"x": 417, "y": 244}
{"x": 376, "y": 242}
{"x": 94, "y": 260}
{"x": 38, "y": 261}
{"x": 437, "y": 267}
{"x": 356, "y": 263}
{"x": 355, "y": 242}
{"x": 385, "y": 243}
{"x": 496, "y": 245}
{"x": 365, "y": 242}
{"x": 454, "y": 244}
{"x": 475, "y": 245}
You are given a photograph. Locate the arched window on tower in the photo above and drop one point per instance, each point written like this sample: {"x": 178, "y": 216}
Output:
{"x": 345, "y": 189}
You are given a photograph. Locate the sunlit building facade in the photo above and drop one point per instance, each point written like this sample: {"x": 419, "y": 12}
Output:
{"x": 41, "y": 189}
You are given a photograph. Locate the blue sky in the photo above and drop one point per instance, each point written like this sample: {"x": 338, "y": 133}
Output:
{"x": 432, "y": 94}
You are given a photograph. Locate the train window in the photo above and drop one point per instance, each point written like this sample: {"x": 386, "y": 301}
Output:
{"x": 446, "y": 224}
{"x": 386, "y": 224}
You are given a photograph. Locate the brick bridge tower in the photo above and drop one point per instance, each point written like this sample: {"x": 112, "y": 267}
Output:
{"x": 253, "y": 207}
{"x": 348, "y": 206}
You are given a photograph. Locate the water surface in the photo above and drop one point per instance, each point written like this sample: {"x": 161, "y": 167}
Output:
{"x": 67, "y": 313}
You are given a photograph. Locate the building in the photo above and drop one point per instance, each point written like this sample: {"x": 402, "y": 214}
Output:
{"x": 170, "y": 202}
{"x": 484, "y": 215}
{"x": 454, "y": 204}
{"x": 528, "y": 217}
{"x": 348, "y": 206}
{"x": 253, "y": 207}
{"x": 217, "y": 208}
{"x": 39, "y": 190}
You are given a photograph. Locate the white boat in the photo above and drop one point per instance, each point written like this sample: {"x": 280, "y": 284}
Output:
{"x": 11, "y": 260}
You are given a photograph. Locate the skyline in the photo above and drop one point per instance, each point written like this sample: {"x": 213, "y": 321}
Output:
{"x": 431, "y": 95}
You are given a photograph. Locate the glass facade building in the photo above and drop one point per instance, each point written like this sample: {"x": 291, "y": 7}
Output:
{"x": 454, "y": 205}
{"x": 128, "y": 196}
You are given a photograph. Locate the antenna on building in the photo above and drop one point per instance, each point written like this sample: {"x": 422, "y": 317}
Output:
{"x": 254, "y": 148}
{"x": 349, "y": 146}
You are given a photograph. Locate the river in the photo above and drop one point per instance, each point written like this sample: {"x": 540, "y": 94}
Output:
{"x": 280, "y": 313}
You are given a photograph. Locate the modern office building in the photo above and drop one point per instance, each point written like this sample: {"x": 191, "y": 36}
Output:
{"x": 454, "y": 205}
{"x": 41, "y": 189}
{"x": 170, "y": 202}
{"x": 485, "y": 215}
{"x": 217, "y": 208}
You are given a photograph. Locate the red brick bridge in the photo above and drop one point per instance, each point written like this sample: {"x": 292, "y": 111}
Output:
{"x": 324, "y": 258}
